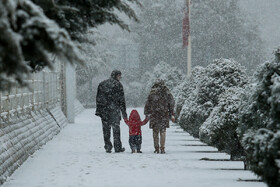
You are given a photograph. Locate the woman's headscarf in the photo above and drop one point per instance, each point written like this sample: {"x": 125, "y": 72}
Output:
{"x": 159, "y": 87}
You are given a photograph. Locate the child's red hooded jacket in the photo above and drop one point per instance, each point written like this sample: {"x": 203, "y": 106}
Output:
{"x": 134, "y": 123}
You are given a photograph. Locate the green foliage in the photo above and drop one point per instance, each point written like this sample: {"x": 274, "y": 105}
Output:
{"x": 220, "y": 127}
{"x": 76, "y": 16}
{"x": 217, "y": 77}
{"x": 262, "y": 148}
{"x": 185, "y": 88}
{"x": 261, "y": 107}
{"x": 32, "y": 30}
{"x": 27, "y": 38}
{"x": 260, "y": 122}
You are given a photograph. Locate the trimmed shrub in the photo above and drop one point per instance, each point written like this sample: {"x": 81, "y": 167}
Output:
{"x": 260, "y": 122}
{"x": 215, "y": 80}
{"x": 220, "y": 127}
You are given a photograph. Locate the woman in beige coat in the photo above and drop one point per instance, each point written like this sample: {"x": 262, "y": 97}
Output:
{"x": 160, "y": 108}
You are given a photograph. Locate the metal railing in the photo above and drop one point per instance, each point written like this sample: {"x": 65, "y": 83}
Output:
{"x": 44, "y": 91}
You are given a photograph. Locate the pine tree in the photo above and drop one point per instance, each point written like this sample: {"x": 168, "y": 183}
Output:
{"x": 31, "y": 33}
{"x": 27, "y": 38}
{"x": 77, "y": 16}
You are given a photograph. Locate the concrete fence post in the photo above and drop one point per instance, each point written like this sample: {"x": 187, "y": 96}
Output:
{"x": 70, "y": 92}
{"x": 44, "y": 90}
{"x": 0, "y": 108}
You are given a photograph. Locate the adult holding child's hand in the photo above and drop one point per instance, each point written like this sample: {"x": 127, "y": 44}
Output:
{"x": 160, "y": 108}
{"x": 110, "y": 103}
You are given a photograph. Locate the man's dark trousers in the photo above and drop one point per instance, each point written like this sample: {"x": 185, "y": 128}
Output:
{"x": 115, "y": 124}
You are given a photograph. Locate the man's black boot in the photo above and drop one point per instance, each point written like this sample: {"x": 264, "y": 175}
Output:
{"x": 121, "y": 150}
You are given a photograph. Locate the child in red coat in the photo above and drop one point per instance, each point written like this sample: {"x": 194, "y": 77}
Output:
{"x": 135, "y": 137}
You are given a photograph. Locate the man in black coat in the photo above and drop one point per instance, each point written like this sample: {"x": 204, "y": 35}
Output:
{"x": 110, "y": 103}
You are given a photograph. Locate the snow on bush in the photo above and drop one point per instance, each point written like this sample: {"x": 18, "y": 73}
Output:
{"x": 262, "y": 148}
{"x": 260, "y": 122}
{"x": 216, "y": 79}
{"x": 184, "y": 89}
{"x": 219, "y": 129}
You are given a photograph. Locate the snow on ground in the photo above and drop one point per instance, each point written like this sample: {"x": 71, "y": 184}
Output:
{"x": 76, "y": 157}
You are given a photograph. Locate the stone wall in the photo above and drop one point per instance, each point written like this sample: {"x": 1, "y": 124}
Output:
{"x": 22, "y": 135}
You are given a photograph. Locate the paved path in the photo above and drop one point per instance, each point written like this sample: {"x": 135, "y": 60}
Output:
{"x": 76, "y": 158}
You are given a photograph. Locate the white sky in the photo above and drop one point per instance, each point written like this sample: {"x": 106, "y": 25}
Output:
{"x": 266, "y": 14}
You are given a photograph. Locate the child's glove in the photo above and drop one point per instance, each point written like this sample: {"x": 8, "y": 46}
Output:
{"x": 126, "y": 120}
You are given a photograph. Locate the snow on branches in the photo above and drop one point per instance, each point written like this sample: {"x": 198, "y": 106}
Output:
{"x": 27, "y": 38}
{"x": 260, "y": 122}
{"x": 78, "y": 16}
{"x": 217, "y": 77}
{"x": 31, "y": 30}
{"x": 219, "y": 129}
{"x": 242, "y": 118}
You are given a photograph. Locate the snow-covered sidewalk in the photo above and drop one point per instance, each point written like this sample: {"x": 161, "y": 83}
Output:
{"x": 76, "y": 157}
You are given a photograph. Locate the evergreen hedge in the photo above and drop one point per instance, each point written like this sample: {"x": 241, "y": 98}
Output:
{"x": 260, "y": 122}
